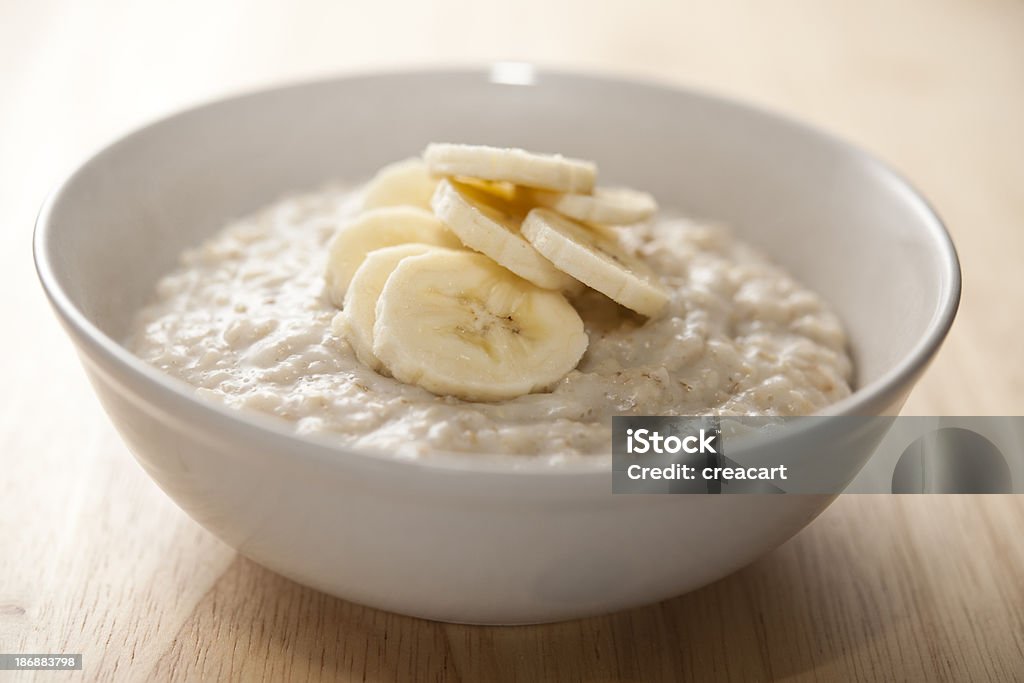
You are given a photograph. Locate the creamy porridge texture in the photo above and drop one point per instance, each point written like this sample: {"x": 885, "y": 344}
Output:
{"x": 246, "y": 320}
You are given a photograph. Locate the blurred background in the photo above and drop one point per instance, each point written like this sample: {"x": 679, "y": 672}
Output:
{"x": 95, "y": 558}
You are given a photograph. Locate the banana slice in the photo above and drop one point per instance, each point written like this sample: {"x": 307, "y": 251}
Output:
{"x": 489, "y": 224}
{"x": 375, "y": 229}
{"x": 406, "y": 182}
{"x": 356, "y": 319}
{"x": 596, "y": 259}
{"x": 607, "y": 205}
{"x": 545, "y": 171}
{"x": 458, "y": 324}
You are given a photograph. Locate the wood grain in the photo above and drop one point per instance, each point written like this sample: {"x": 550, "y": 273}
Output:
{"x": 95, "y": 559}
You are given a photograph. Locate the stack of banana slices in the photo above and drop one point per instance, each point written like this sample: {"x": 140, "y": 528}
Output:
{"x": 454, "y": 276}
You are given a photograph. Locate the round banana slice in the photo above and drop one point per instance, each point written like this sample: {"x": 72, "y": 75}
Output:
{"x": 375, "y": 229}
{"x": 607, "y": 205}
{"x": 356, "y": 319}
{"x": 406, "y": 182}
{"x": 489, "y": 224}
{"x": 458, "y": 324}
{"x": 545, "y": 171}
{"x": 596, "y": 259}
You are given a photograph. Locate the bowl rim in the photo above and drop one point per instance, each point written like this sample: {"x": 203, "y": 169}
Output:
{"x": 322, "y": 447}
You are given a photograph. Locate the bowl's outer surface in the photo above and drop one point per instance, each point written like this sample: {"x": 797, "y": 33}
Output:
{"x": 463, "y": 540}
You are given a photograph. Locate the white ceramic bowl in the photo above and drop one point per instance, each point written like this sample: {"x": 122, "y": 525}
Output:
{"x": 473, "y": 540}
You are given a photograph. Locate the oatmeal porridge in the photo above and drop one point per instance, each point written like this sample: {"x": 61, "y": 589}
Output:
{"x": 248, "y": 320}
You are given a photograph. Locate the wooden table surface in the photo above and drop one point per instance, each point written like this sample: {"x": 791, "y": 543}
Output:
{"x": 95, "y": 559}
